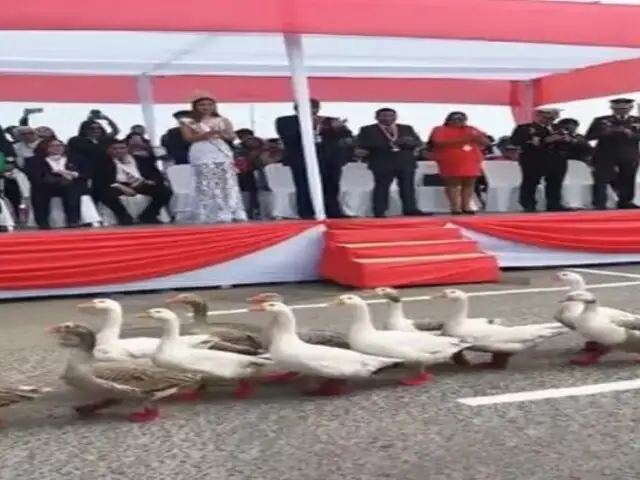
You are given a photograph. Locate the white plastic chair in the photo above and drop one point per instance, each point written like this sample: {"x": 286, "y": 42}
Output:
{"x": 133, "y": 205}
{"x": 280, "y": 202}
{"x": 577, "y": 186}
{"x": 6, "y": 217}
{"x": 356, "y": 189}
{"x": 503, "y": 177}
{"x": 429, "y": 199}
{"x": 88, "y": 213}
{"x": 182, "y": 183}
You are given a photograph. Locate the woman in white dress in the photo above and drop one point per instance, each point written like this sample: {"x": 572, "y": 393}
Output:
{"x": 217, "y": 195}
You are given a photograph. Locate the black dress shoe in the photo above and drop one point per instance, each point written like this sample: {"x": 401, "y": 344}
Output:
{"x": 417, "y": 213}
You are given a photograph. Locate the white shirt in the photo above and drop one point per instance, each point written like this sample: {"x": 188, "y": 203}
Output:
{"x": 127, "y": 170}
{"x": 57, "y": 163}
{"x": 24, "y": 150}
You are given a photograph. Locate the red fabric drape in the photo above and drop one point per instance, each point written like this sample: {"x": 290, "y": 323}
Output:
{"x": 610, "y": 232}
{"x": 496, "y": 20}
{"x": 101, "y": 257}
{"x": 611, "y": 78}
{"x": 178, "y": 89}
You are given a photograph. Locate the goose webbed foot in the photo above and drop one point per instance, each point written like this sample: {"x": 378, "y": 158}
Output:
{"x": 591, "y": 347}
{"x": 499, "y": 361}
{"x": 245, "y": 389}
{"x": 420, "y": 379}
{"x": 147, "y": 414}
{"x": 193, "y": 395}
{"x": 279, "y": 378}
{"x": 592, "y": 356}
{"x": 328, "y": 388}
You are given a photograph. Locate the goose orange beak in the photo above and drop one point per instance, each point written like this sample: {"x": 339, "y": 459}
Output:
{"x": 256, "y": 307}
{"x": 144, "y": 315}
{"x": 86, "y": 305}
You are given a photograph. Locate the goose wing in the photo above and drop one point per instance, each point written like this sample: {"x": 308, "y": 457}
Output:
{"x": 140, "y": 378}
{"x": 324, "y": 337}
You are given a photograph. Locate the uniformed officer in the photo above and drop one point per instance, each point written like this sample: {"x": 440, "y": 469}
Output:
{"x": 616, "y": 155}
{"x": 567, "y": 145}
{"x": 534, "y": 141}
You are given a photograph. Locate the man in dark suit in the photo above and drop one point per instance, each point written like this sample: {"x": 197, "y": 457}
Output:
{"x": 536, "y": 140}
{"x": 390, "y": 148}
{"x": 54, "y": 174}
{"x": 616, "y": 155}
{"x": 125, "y": 175}
{"x": 176, "y": 146}
{"x": 330, "y": 136}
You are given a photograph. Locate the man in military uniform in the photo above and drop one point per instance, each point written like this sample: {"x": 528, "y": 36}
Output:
{"x": 535, "y": 141}
{"x": 616, "y": 155}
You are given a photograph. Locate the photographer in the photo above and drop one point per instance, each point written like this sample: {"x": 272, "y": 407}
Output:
{"x": 90, "y": 145}
{"x": 615, "y": 160}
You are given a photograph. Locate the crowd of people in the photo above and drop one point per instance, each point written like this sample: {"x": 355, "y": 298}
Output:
{"x": 227, "y": 162}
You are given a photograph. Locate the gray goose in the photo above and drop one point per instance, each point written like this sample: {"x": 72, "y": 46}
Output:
{"x": 114, "y": 382}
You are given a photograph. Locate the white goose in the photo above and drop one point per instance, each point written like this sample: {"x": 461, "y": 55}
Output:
{"x": 417, "y": 348}
{"x": 109, "y": 345}
{"x": 575, "y": 282}
{"x": 500, "y": 340}
{"x": 174, "y": 354}
{"x": 599, "y": 329}
{"x": 333, "y": 366}
{"x": 397, "y": 320}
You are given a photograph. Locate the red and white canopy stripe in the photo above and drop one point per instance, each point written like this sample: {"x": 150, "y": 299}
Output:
{"x": 48, "y": 47}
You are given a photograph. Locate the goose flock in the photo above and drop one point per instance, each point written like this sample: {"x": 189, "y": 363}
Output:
{"x": 105, "y": 370}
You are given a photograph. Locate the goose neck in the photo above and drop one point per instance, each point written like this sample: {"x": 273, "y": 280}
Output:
{"x": 110, "y": 331}
{"x": 396, "y": 318}
{"x": 171, "y": 329}
{"x": 200, "y": 312}
{"x": 577, "y": 284}
{"x": 362, "y": 319}
{"x": 283, "y": 325}
{"x": 459, "y": 311}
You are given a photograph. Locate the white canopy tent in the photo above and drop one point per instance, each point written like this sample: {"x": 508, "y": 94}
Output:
{"x": 408, "y": 40}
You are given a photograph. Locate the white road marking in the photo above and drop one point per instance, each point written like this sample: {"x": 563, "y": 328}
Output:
{"x": 535, "y": 395}
{"x": 486, "y": 293}
{"x": 606, "y": 272}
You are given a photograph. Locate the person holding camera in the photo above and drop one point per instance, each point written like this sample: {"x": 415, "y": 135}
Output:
{"x": 90, "y": 145}
{"x": 535, "y": 140}
{"x": 616, "y": 155}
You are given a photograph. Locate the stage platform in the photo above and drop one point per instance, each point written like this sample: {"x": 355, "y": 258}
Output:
{"x": 437, "y": 250}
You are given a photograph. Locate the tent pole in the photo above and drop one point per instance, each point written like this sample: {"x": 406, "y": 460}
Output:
{"x": 145, "y": 95}
{"x": 300, "y": 83}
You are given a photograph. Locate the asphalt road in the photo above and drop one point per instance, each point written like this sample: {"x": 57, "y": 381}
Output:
{"x": 379, "y": 431}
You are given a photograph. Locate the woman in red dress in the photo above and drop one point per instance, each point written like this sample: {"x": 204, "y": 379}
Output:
{"x": 457, "y": 149}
